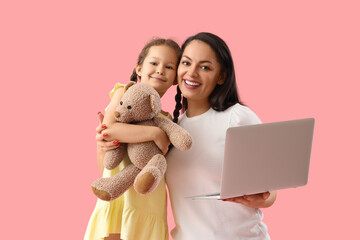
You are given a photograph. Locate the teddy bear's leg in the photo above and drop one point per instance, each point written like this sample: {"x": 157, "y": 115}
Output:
{"x": 113, "y": 157}
{"x": 150, "y": 176}
{"x": 108, "y": 189}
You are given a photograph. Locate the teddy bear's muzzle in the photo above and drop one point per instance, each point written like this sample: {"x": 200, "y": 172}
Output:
{"x": 117, "y": 114}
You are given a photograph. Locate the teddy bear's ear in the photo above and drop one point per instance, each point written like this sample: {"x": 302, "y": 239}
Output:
{"x": 129, "y": 84}
{"x": 152, "y": 99}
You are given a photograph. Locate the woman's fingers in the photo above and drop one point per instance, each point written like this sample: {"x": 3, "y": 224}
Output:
{"x": 257, "y": 197}
{"x": 238, "y": 200}
{"x": 265, "y": 195}
{"x": 254, "y": 200}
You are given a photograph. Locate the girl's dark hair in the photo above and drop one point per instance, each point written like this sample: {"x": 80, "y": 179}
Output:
{"x": 154, "y": 42}
{"x": 223, "y": 96}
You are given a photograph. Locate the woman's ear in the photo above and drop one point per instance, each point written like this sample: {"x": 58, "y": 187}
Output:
{"x": 221, "y": 79}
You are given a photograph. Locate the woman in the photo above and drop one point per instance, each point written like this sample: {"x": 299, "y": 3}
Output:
{"x": 207, "y": 83}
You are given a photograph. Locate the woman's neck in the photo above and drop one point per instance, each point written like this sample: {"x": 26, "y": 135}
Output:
{"x": 196, "y": 108}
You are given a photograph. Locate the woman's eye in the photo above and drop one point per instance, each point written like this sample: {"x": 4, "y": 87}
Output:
{"x": 185, "y": 63}
{"x": 205, "y": 68}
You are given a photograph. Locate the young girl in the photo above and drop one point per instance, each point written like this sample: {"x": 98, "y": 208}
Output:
{"x": 206, "y": 80}
{"x": 134, "y": 216}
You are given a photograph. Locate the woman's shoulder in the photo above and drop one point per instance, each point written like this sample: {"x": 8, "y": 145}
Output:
{"x": 242, "y": 115}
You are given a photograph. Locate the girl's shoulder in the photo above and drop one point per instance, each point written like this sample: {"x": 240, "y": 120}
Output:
{"x": 116, "y": 87}
{"x": 165, "y": 114}
{"x": 115, "y": 95}
{"x": 242, "y": 115}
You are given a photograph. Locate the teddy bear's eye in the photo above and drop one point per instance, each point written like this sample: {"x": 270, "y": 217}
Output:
{"x": 129, "y": 107}
{"x": 121, "y": 102}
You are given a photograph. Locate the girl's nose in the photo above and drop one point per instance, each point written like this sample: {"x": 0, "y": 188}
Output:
{"x": 160, "y": 70}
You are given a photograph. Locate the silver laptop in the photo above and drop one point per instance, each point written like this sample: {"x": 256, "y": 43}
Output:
{"x": 265, "y": 157}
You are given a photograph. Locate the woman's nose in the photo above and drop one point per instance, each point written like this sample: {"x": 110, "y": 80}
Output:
{"x": 192, "y": 72}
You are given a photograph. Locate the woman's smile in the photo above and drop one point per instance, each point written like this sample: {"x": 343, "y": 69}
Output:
{"x": 198, "y": 72}
{"x": 191, "y": 84}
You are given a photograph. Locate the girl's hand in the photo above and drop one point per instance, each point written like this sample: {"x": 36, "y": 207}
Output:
{"x": 106, "y": 136}
{"x": 102, "y": 144}
{"x": 260, "y": 200}
{"x": 161, "y": 140}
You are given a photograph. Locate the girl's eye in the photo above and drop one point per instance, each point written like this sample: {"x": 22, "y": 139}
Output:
{"x": 153, "y": 63}
{"x": 169, "y": 67}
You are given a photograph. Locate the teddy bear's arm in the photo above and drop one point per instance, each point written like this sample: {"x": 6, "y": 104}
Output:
{"x": 178, "y": 136}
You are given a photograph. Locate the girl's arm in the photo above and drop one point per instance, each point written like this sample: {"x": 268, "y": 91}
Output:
{"x": 108, "y": 119}
{"x": 131, "y": 133}
{"x": 110, "y": 132}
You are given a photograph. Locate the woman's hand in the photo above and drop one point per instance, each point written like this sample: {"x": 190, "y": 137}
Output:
{"x": 103, "y": 141}
{"x": 260, "y": 200}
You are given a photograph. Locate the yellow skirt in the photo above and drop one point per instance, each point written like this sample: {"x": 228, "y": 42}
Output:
{"x": 134, "y": 216}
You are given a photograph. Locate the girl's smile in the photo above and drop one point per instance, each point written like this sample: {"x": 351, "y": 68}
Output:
{"x": 159, "y": 68}
{"x": 159, "y": 79}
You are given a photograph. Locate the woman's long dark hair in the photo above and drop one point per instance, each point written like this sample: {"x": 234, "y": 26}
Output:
{"x": 224, "y": 95}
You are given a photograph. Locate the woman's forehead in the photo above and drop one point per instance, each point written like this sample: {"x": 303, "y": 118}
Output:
{"x": 199, "y": 51}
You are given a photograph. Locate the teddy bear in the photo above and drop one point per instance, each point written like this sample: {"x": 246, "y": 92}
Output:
{"x": 140, "y": 105}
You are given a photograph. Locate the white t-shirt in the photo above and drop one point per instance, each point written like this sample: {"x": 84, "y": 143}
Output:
{"x": 198, "y": 171}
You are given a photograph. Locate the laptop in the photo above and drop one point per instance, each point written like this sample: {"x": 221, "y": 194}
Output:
{"x": 265, "y": 157}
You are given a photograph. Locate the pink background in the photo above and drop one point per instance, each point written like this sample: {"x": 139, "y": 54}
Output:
{"x": 59, "y": 59}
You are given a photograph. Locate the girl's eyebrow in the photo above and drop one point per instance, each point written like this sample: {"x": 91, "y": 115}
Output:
{"x": 204, "y": 61}
{"x": 156, "y": 58}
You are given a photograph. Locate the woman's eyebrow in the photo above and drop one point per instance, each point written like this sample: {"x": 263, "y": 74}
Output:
{"x": 203, "y": 61}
